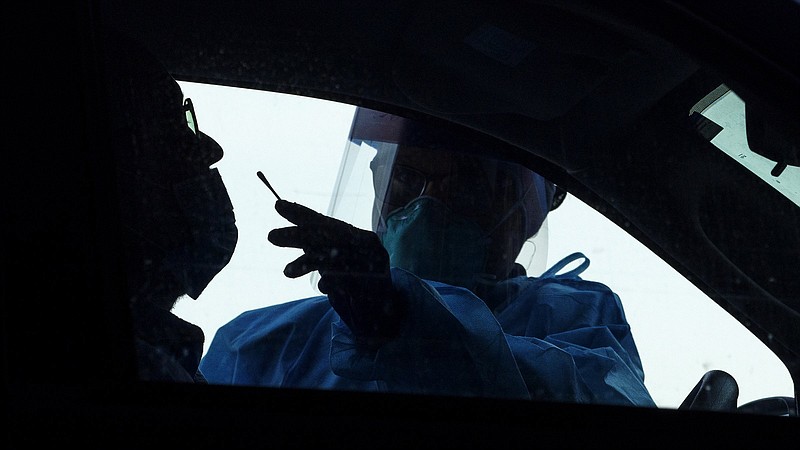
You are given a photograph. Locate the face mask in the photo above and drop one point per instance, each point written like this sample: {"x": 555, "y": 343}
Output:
{"x": 205, "y": 204}
{"x": 427, "y": 239}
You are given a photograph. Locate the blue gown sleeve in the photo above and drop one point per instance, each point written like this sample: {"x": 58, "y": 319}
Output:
{"x": 582, "y": 366}
{"x": 451, "y": 344}
{"x": 582, "y": 325}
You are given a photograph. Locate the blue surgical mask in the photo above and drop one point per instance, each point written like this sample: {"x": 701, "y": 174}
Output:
{"x": 428, "y": 240}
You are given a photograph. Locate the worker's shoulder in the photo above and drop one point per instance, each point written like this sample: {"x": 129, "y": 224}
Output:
{"x": 556, "y": 281}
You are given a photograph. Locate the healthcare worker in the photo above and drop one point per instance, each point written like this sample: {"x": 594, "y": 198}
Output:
{"x": 178, "y": 227}
{"x": 432, "y": 300}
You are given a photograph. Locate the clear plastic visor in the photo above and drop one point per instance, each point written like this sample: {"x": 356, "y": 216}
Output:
{"x": 377, "y": 178}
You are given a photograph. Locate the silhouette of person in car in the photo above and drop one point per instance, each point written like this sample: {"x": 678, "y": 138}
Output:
{"x": 177, "y": 223}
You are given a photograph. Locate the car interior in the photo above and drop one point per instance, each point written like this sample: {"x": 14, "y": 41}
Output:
{"x": 625, "y": 107}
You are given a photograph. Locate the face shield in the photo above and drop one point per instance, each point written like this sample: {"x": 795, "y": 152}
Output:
{"x": 394, "y": 167}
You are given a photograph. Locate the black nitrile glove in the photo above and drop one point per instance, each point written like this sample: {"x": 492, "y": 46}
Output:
{"x": 354, "y": 269}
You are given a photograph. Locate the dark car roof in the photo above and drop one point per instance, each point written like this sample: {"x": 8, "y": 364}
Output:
{"x": 595, "y": 96}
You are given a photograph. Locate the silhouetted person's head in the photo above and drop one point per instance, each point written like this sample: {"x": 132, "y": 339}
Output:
{"x": 178, "y": 224}
{"x": 442, "y": 210}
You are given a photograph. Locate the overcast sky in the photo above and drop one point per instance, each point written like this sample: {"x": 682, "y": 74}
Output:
{"x": 298, "y": 143}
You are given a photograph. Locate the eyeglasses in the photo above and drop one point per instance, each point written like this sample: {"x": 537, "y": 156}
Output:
{"x": 191, "y": 117}
{"x": 465, "y": 190}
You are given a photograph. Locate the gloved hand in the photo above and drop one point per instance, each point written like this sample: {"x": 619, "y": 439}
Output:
{"x": 354, "y": 269}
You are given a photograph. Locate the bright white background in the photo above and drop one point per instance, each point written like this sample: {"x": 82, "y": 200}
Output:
{"x": 298, "y": 143}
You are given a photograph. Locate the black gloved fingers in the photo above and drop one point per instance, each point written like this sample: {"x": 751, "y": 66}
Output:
{"x": 303, "y": 265}
{"x": 329, "y": 285}
{"x": 318, "y": 246}
{"x": 306, "y": 238}
{"x": 289, "y": 237}
{"x": 323, "y": 234}
{"x": 300, "y": 215}
{"x": 321, "y": 227}
{"x": 326, "y": 260}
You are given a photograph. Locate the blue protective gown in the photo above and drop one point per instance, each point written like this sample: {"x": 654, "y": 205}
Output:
{"x": 556, "y": 337}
